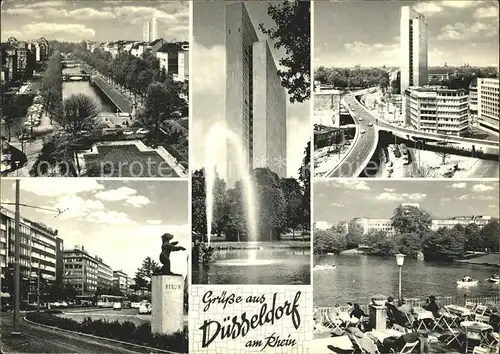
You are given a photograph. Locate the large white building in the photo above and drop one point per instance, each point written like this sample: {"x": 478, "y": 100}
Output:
{"x": 413, "y": 47}
{"x": 255, "y": 100}
{"x": 436, "y": 110}
{"x": 150, "y": 30}
{"x": 327, "y": 107}
{"x": 487, "y": 104}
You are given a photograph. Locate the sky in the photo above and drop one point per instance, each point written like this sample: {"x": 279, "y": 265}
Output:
{"x": 106, "y": 20}
{"x": 119, "y": 221}
{"x": 366, "y": 32}
{"x": 208, "y": 62}
{"x": 342, "y": 200}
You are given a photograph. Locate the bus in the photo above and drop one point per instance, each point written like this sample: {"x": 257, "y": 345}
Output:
{"x": 104, "y": 301}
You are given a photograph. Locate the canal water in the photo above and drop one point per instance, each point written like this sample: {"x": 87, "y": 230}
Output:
{"x": 356, "y": 278}
{"x": 73, "y": 87}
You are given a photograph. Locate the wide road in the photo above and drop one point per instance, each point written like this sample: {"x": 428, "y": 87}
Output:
{"x": 360, "y": 152}
{"x": 110, "y": 315}
{"x": 37, "y": 339}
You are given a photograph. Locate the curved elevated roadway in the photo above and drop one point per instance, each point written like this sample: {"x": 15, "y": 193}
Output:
{"x": 361, "y": 152}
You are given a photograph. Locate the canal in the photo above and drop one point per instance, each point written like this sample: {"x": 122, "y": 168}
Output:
{"x": 356, "y": 278}
{"x": 73, "y": 87}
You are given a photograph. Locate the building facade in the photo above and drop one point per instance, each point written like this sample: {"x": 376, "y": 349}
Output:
{"x": 327, "y": 107}
{"x": 473, "y": 102}
{"x": 146, "y": 29}
{"x": 487, "y": 104}
{"x": 374, "y": 224}
{"x": 251, "y": 73}
{"x": 80, "y": 270}
{"x": 437, "y": 110}
{"x": 413, "y": 46}
{"x": 121, "y": 281}
{"x": 104, "y": 274}
{"x": 174, "y": 58}
{"x": 460, "y": 220}
{"x": 40, "y": 250}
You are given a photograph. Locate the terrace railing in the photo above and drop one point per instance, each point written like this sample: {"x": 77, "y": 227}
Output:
{"x": 443, "y": 301}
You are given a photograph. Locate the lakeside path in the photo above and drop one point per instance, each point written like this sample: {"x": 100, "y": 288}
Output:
{"x": 492, "y": 259}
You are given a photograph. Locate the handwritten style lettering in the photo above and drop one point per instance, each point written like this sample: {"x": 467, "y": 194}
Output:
{"x": 223, "y": 298}
{"x": 213, "y": 329}
{"x": 274, "y": 341}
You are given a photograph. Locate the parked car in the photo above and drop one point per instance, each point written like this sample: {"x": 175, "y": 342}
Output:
{"x": 127, "y": 304}
{"x": 117, "y": 306}
{"x": 142, "y": 131}
{"x": 362, "y": 132}
{"x": 145, "y": 308}
{"x": 24, "y": 136}
{"x": 128, "y": 132}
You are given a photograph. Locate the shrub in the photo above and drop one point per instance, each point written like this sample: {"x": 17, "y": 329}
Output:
{"x": 125, "y": 331}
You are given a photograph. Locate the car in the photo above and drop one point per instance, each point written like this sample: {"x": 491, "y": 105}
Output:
{"x": 142, "y": 131}
{"x": 128, "y": 132}
{"x": 362, "y": 132}
{"x": 145, "y": 308}
{"x": 117, "y": 306}
{"x": 347, "y": 142}
{"x": 360, "y": 119}
{"x": 24, "y": 137}
{"x": 370, "y": 124}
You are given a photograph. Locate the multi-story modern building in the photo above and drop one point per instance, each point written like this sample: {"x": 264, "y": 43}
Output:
{"x": 321, "y": 225}
{"x": 9, "y": 62}
{"x": 121, "y": 281}
{"x": 437, "y": 110}
{"x": 104, "y": 274}
{"x": 473, "y": 102}
{"x": 327, "y": 106}
{"x": 146, "y": 31}
{"x": 255, "y": 100}
{"x": 40, "y": 250}
{"x": 374, "y": 224}
{"x": 413, "y": 46}
{"x": 150, "y": 30}
{"x": 174, "y": 58}
{"x": 479, "y": 220}
{"x": 438, "y": 75}
{"x": 80, "y": 270}
{"x": 487, "y": 104}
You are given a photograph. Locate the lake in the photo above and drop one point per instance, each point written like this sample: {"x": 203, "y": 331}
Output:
{"x": 262, "y": 266}
{"x": 356, "y": 278}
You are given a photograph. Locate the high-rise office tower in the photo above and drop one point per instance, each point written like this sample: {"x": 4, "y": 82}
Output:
{"x": 413, "y": 46}
{"x": 146, "y": 26}
{"x": 153, "y": 34}
{"x": 255, "y": 99}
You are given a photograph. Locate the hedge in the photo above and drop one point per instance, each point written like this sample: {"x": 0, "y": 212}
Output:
{"x": 124, "y": 331}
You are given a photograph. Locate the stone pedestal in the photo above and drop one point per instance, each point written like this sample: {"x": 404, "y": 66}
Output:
{"x": 378, "y": 317}
{"x": 167, "y": 300}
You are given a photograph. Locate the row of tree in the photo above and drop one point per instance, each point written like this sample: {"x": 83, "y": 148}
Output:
{"x": 413, "y": 234}
{"x": 51, "y": 87}
{"x": 346, "y": 78}
{"x": 463, "y": 77}
{"x": 283, "y": 205}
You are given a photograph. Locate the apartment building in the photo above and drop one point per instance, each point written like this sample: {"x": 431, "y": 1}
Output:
{"x": 327, "y": 107}
{"x": 487, "y": 104}
{"x": 40, "y": 249}
{"x": 479, "y": 220}
{"x": 80, "y": 270}
{"x": 121, "y": 281}
{"x": 437, "y": 110}
{"x": 104, "y": 274}
{"x": 174, "y": 58}
{"x": 374, "y": 224}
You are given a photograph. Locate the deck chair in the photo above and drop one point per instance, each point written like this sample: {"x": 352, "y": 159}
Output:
{"x": 480, "y": 350}
{"x": 333, "y": 323}
{"x": 407, "y": 349}
{"x": 446, "y": 320}
{"x": 470, "y": 305}
{"x": 480, "y": 309}
{"x": 359, "y": 348}
{"x": 482, "y": 318}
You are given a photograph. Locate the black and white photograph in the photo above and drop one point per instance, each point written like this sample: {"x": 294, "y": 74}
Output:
{"x": 408, "y": 264}
{"x": 95, "y": 88}
{"x": 96, "y": 266}
{"x": 406, "y": 89}
{"x": 250, "y": 142}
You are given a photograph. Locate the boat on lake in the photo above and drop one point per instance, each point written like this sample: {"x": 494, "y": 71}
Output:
{"x": 467, "y": 281}
{"x": 494, "y": 279}
{"x": 324, "y": 266}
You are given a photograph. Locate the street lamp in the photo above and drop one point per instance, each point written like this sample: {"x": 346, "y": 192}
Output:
{"x": 400, "y": 259}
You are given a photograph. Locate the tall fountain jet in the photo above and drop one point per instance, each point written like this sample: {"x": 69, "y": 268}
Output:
{"x": 217, "y": 134}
